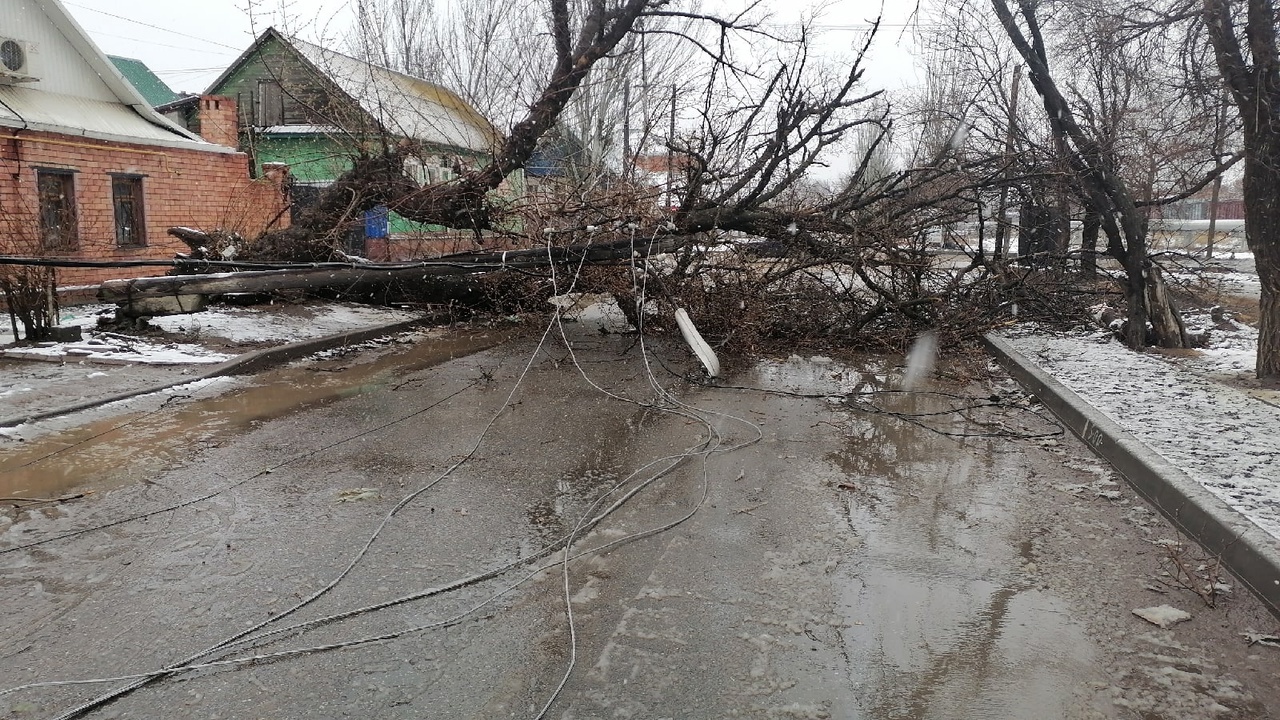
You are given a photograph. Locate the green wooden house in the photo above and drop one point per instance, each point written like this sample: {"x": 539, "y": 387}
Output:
{"x": 312, "y": 108}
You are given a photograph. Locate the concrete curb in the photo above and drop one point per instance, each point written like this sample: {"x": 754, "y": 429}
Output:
{"x": 1251, "y": 554}
{"x": 240, "y": 365}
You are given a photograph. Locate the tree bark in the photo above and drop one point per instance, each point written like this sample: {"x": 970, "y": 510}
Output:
{"x": 1089, "y": 244}
{"x": 1262, "y": 231}
{"x": 1167, "y": 326}
{"x": 1254, "y": 87}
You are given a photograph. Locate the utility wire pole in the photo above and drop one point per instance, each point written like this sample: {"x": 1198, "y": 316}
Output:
{"x": 1002, "y": 220}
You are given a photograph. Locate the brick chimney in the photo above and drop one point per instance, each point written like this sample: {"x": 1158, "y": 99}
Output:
{"x": 278, "y": 174}
{"x": 217, "y": 120}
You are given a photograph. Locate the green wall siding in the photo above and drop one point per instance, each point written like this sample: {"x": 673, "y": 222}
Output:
{"x": 311, "y": 158}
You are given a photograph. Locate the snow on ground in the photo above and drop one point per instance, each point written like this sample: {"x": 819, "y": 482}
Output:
{"x": 121, "y": 350}
{"x": 86, "y": 316}
{"x": 268, "y": 324}
{"x": 1241, "y": 284}
{"x": 1232, "y": 350}
{"x": 1220, "y": 436}
{"x": 597, "y": 310}
{"x": 256, "y": 324}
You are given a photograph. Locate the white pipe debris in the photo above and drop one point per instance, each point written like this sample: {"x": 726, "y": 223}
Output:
{"x": 699, "y": 346}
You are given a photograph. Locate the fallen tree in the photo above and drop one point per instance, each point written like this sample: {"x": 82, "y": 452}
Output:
{"x": 738, "y": 165}
{"x": 139, "y": 296}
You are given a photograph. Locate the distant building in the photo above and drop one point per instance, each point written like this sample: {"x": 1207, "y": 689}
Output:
{"x": 146, "y": 82}
{"x": 1199, "y": 209}
{"x": 313, "y": 109}
{"x": 664, "y": 174}
{"x": 558, "y": 158}
{"x": 88, "y": 170}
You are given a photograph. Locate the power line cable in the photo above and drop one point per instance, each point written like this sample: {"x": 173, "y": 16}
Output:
{"x": 154, "y": 27}
{"x": 360, "y": 554}
{"x": 668, "y": 403}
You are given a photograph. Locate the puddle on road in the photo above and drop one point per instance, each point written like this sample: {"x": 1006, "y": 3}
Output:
{"x": 944, "y": 587}
{"x": 944, "y": 615}
{"x": 583, "y": 484}
{"x": 127, "y": 448}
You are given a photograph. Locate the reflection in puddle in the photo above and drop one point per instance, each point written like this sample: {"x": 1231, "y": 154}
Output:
{"x": 126, "y": 448}
{"x": 820, "y": 374}
{"x": 949, "y": 617}
{"x": 580, "y": 486}
{"x": 944, "y": 617}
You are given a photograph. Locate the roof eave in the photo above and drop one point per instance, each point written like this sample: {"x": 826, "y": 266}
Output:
{"x": 107, "y": 70}
{"x": 242, "y": 59}
{"x": 175, "y": 144}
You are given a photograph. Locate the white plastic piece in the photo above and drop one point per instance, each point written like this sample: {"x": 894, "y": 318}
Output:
{"x": 699, "y": 346}
{"x": 920, "y": 360}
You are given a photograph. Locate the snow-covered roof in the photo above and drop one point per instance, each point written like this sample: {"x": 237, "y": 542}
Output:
{"x": 301, "y": 130}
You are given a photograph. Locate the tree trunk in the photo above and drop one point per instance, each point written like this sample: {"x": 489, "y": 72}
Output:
{"x": 1268, "y": 367}
{"x": 1089, "y": 244}
{"x": 1106, "y": 192}
{"x": 1136, "y": 301}
{"x": 1262, "y": 230}
{"x": 1254, "y": 88}
{"x": 1167, "y": 326}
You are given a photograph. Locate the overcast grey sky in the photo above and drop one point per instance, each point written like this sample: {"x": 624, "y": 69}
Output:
{"x": 189, "y": 42}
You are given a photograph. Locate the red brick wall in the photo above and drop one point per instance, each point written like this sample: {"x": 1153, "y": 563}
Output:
{"x": 427, "y": 245}
{"x": 217, "y": 117}
{"x": 191, "y": 188}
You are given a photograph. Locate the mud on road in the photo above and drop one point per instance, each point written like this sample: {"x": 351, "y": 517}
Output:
{"x": 940, "y": 554}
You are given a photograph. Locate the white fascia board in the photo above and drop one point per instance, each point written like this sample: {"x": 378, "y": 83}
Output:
{"x": 110, "y": 74}
{"x": 175, "y": 144}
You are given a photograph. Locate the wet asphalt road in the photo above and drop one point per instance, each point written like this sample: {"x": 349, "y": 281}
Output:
{"x": 842, "y": 562}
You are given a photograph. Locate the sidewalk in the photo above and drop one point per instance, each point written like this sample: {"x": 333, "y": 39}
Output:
{"x": 59, "y": 378}
{"x": 1205, "y": 453}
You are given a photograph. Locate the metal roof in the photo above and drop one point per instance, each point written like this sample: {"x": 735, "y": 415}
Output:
{"x": 402, "y": 104}
{"x": 147, "y": 83}
{"x": 78, "y": 91}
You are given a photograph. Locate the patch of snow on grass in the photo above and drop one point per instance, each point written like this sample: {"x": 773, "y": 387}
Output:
{"x": 249, "y": 324}
{"x": 1232, "y": 348}
{"x": 86, "y": 316}
{"x": 1218, "y": 435}
{"x": 134, "y": 352}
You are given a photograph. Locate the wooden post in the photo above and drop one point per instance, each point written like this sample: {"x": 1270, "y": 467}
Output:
{"x": 1002, "y": 209}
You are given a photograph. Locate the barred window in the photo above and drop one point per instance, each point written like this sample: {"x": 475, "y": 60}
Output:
{"x": 57, "y": 209}
{"x": 126, "y": 196}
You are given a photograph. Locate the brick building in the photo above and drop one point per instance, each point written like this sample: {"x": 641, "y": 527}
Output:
{"x": 89, "y": 171}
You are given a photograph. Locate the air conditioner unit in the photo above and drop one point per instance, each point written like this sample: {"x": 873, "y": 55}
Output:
{"x": 15, "y": 61}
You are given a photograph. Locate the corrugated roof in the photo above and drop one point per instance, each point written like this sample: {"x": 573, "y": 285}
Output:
{"x": 80, "y": 92}
{"x": 152, "y": 88}
{"x": 72, "y": 115}
{"x": 402, "y": 104}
